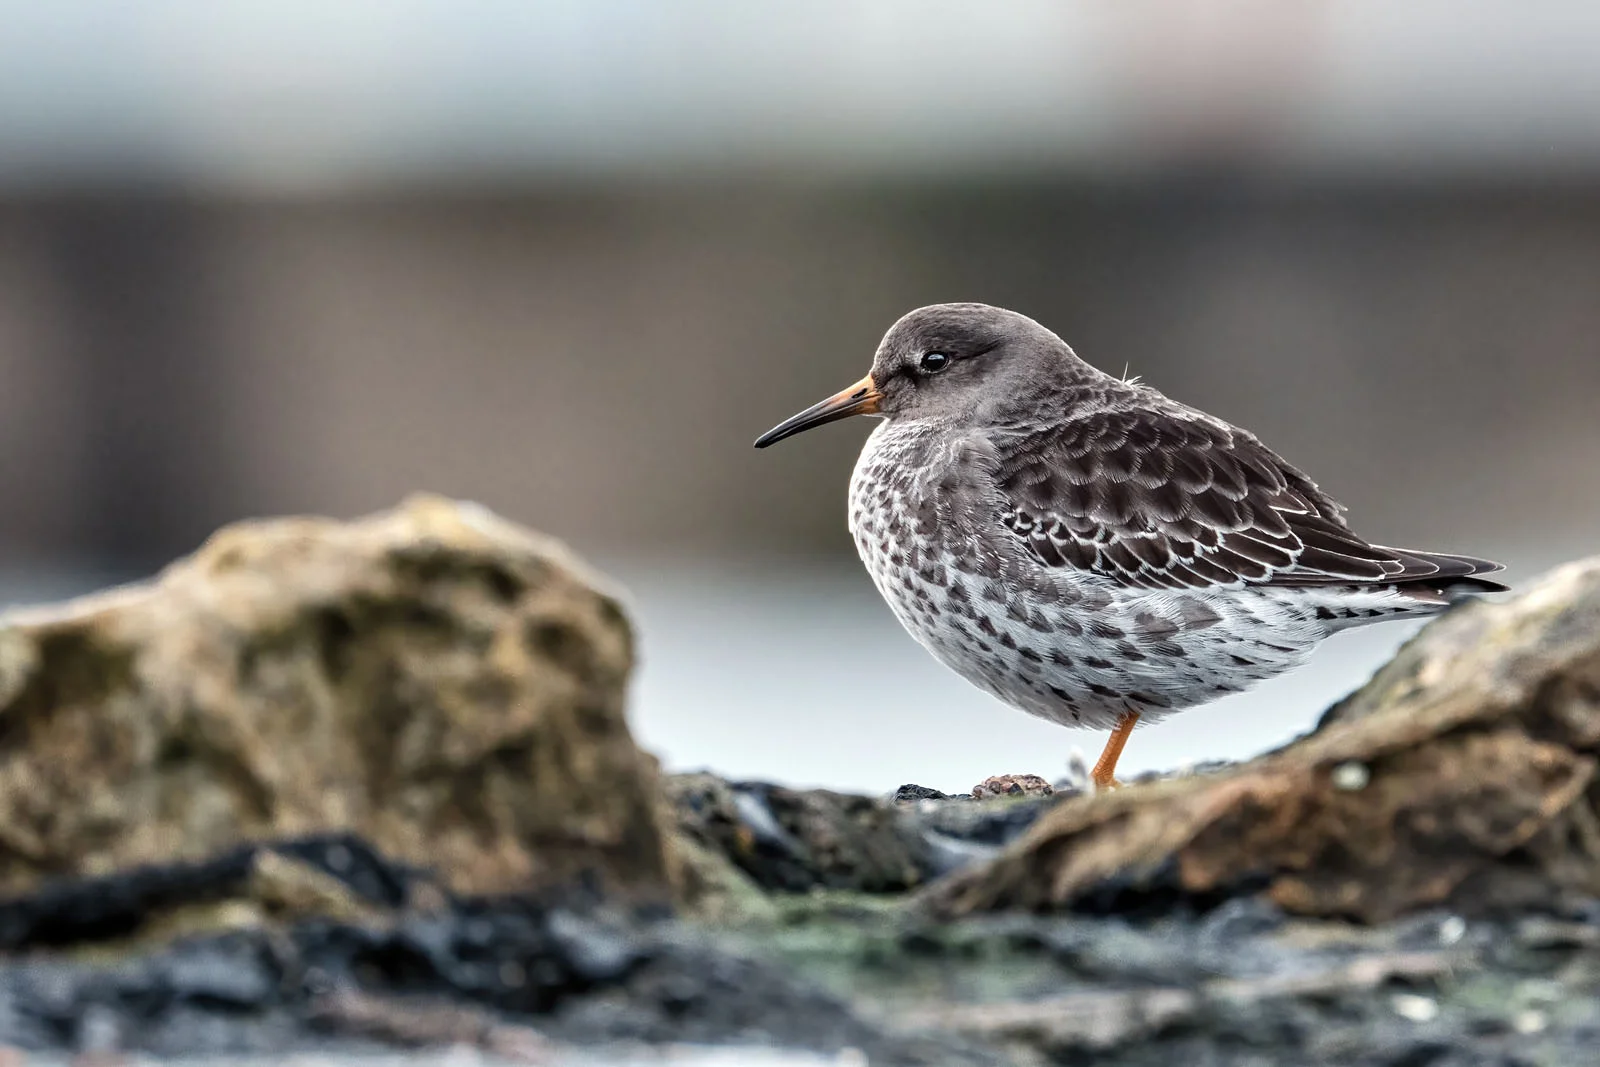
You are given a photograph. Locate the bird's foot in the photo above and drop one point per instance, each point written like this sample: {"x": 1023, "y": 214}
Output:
{"x": 1012, "y": 785}
{"x": 1104, "y": 775}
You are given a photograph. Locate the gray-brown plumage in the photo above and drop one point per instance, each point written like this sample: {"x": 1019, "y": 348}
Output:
{"x": 1087, "y": 549}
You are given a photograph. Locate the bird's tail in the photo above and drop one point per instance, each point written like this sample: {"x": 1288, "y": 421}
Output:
{"x": 1455, "y": 577}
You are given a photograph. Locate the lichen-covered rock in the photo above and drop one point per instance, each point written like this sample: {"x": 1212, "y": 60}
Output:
{"x": 446, "y": 684}
{"x": 1463, "y": 774}
{"x": 1242, "y": 986}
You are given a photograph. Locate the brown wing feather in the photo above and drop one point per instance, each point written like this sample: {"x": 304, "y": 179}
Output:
{"x": 1166, "y": 500}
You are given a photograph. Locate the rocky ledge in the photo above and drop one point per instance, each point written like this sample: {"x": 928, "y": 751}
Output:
{"x": 350, "y": 787}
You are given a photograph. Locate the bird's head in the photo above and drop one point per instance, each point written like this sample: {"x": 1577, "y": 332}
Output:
{"x": 954, "y": 363}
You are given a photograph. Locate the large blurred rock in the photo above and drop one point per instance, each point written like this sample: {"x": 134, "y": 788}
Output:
{"x": 1463, "y": 774}
{"x": 436, "y": 679}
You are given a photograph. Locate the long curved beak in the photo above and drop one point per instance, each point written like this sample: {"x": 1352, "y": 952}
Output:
{"x": 858, "y": 399}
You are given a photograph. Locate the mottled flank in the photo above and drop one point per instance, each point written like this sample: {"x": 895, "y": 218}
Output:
{"x": 1087, "y": 547}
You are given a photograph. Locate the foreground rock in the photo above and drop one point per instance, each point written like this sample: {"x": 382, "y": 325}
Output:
{"x": 337, "y": 950}
{"x": 436, "y": 679}
{"x": 1243, "y": 984}
{"x": 1463, "y": 775}
{"x": 323, "y": 944}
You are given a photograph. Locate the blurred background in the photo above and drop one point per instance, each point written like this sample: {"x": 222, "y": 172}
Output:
{"x": 570, "y": 258}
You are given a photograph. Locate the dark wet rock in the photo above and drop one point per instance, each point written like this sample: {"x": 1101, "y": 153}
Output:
{"x": 335, "y": 875}
{"x": 910, "y": 792}
{"x": 1238, "y": 983}
{"x": 971, "y": 831}
{"x": 419, "y": 966}
{"x": 794, "y": 841}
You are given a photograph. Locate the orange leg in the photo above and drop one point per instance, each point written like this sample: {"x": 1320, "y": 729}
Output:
{"x": 1105, "y": 768}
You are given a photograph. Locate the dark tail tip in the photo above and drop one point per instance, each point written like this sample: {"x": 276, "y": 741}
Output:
{"x": 1450, "y": 577}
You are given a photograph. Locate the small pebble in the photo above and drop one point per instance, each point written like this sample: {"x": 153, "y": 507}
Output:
{"x": 1417, "y": 1009}
{"x": 1452, "y": 930}
{"x": 1012, "y": 785}
{"x": 1351, "y": 777}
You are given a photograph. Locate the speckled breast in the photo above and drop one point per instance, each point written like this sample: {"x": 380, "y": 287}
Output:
{"x": 1068, "y": 647}
{"x": 922, "y": 567}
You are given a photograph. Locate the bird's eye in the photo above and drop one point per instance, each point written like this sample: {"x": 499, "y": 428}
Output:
{"x": 934, "y": 362}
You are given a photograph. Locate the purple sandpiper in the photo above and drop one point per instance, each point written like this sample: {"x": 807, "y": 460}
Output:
{"x": 1086, "y": 549}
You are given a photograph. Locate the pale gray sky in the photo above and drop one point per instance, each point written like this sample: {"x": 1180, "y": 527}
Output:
{"x": 281, "y": 95}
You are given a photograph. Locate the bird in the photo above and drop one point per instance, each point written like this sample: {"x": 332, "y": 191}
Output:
{"x": 1088, "y": 550}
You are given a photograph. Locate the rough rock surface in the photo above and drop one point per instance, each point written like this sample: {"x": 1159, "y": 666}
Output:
{"x": 323, "y": 944}
{"x": 1463, "y": 775}
{"x": 436, "y": 679}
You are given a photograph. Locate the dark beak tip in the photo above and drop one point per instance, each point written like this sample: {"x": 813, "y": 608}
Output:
{"x": 782, "y": 432}
{"x": 861, "y": 398}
